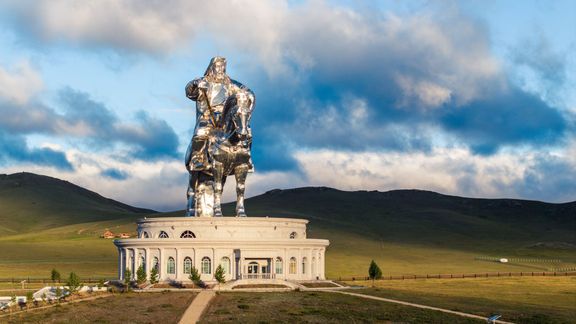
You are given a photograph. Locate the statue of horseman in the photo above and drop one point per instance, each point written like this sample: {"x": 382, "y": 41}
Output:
{"x": 212, "y": 93}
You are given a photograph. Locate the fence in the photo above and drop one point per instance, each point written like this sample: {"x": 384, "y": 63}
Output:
{"x": 465, "y": 275}
{"x": 49, "y": 281}
{"x": 518, "y": 260}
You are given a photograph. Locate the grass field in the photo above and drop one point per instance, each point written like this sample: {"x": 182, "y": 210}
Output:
{"x": 316, "y": 307}
{"x": 166, "y": 307}
{"x": 521, "y": 300}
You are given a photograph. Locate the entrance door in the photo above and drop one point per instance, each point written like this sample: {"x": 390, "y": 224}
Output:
{"x": 253, "y": 270}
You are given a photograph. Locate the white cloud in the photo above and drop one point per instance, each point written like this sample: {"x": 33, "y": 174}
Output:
{"x": 20, "y": 83}
{"x": 447, "y": 55}
{"x": 453, "y": 171}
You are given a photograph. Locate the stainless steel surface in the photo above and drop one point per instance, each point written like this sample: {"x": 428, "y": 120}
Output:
{"x": 222, "y": 140}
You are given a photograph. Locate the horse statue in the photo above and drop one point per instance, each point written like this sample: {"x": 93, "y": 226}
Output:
{"x": 228, "y": 153}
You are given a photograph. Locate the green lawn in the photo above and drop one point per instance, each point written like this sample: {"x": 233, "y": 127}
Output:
{"x": 522, "y": 300}
{"x": 316, "y": 307}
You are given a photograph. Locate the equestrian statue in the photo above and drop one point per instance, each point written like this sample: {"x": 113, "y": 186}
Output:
{"x": 222, "y": 140}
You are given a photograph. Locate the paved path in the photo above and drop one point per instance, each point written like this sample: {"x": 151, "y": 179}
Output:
{"x": 198, "y": 305}
{"x": 413, "y": 305}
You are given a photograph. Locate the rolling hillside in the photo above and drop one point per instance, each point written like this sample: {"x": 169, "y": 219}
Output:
{"x": 31, "y": 202}
{"x": 46, "y": 222}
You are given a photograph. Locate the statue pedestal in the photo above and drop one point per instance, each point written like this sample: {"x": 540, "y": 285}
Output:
{"x": 246, "y": 247}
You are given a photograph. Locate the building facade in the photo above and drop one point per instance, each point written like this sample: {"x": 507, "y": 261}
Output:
{"x": 245, "y": 247}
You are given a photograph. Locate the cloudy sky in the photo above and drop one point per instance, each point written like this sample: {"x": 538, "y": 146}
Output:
{"x": 472, "y": 98}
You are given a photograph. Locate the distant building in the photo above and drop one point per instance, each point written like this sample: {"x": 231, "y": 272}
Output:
{"x": 123, "y": 235}
{"x": 108, "y": 235}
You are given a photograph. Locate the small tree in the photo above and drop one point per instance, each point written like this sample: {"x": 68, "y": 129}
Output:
{"x": 219, "y": 274}
{"x": 154, "y": 275}
{"x": 29, "y": 297}
{"x": 43, "y": 297}
{"x": 55, "y": 276}
{"x": 73, "y": 282}
{"x": 13, "y": 301}
{"x": 127, "y": 278}
{"x": 141, "y": 275}
{"x": 195, "y": 276}
{"x": 58, "y": 293}
{"x": 374, "y": 271}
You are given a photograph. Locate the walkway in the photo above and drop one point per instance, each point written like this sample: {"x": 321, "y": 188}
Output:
{"x": 413, "y": 305}
{"x": 194, "y": 311}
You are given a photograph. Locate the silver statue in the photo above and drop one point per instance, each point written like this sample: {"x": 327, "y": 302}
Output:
{"x": 222, "y": 140}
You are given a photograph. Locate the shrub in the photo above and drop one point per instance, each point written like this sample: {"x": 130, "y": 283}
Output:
{"x": 374, "y": 271}
{"x": 127, "y": 278}
{"x": 55, "y": 276}
{"x": 154, "y": 275}
{"x": 29, "y": 297}
{"x": 141, "y": 275}
{"x": 219, "y": 274}
{"x": 73, "y": 282}
{"x": 195, "y": 277}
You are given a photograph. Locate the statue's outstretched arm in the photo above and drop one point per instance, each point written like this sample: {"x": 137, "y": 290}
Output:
{"x": 192, "y": 89}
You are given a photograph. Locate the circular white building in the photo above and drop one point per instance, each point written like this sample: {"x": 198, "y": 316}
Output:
{"x": 245, "y": 247}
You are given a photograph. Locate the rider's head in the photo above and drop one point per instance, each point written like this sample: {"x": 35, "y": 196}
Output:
{"x": 217, "y": 68}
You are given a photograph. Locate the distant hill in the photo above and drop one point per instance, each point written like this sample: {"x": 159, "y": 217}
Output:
{"x": 419, "y": 216}
{"x": 31, "y": 202}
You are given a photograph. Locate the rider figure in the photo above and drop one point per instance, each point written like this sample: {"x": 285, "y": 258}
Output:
{"x": 210, "y": 93}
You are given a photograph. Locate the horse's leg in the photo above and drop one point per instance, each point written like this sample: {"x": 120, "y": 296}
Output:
{"x": 218, "y": 172}
{"x": 240, "y": 172}
{"x": 190, "y": 194}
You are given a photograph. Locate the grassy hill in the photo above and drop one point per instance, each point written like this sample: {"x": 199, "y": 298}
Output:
{"x": 31, "y": 202}
{"x": 45, "y": 223}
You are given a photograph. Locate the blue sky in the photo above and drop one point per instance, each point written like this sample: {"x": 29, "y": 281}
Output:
{"x": 471, "y": 98}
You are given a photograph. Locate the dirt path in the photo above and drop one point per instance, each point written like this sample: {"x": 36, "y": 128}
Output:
{"x": 413, "y": 305}
{"x": 198, "y": 305}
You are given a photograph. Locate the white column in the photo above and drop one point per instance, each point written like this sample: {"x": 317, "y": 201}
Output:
{"x": 161, "y": 265}
{"x": 120, "y": 265}
{"x": 177, "y": 264}
{"x": 322, "y": 264}
{"x": 147, "y": 262}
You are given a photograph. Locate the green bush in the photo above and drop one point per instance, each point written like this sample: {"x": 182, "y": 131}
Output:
{"x": 219, "y": 274}
{"x": 374, "y": 271}
{"x": 55, "y": 275}
{"x": 154, "y": 275}
{"x": 141, "y": 275}
{"x": 73, "y": 282}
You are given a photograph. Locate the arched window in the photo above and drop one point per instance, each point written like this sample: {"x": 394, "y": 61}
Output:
{"x": 163, "y": 235}
{"x": 225, "y": 263}
{"x": 278, "y": 265}
{"x": 206, "y": 265}
{"x": 292, "y": 265}
{"x": 293, "y": 235}
{"x": 171, "y": 266}
{"x": 155, "y": 263}
{"x": 187, "y": 234}
{"x": 187, "y": 265}
{"x": 304, "y": 262}
{"x": 145, "y": 234}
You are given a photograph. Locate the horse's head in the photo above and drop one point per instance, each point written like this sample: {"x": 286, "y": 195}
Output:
{"x": 241, "y": 115}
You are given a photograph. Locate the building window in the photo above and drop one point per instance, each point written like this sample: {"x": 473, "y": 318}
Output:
{"x": 304, "y": 261}
{"x": 155, "y": 263}
{"x": 293, "y": 235}
{"x": 163, "y": 235}
{"x": 278, "y": 266}
{"x": 187, "y": 265}
{"x": 145, "y": 234}
{"x": 225, "y": 263}
{"x": 206, "y": 265}
{"x": 292, "y": 265}
{"x": 171, "y": 266}
{"x": 187, "y": 234}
